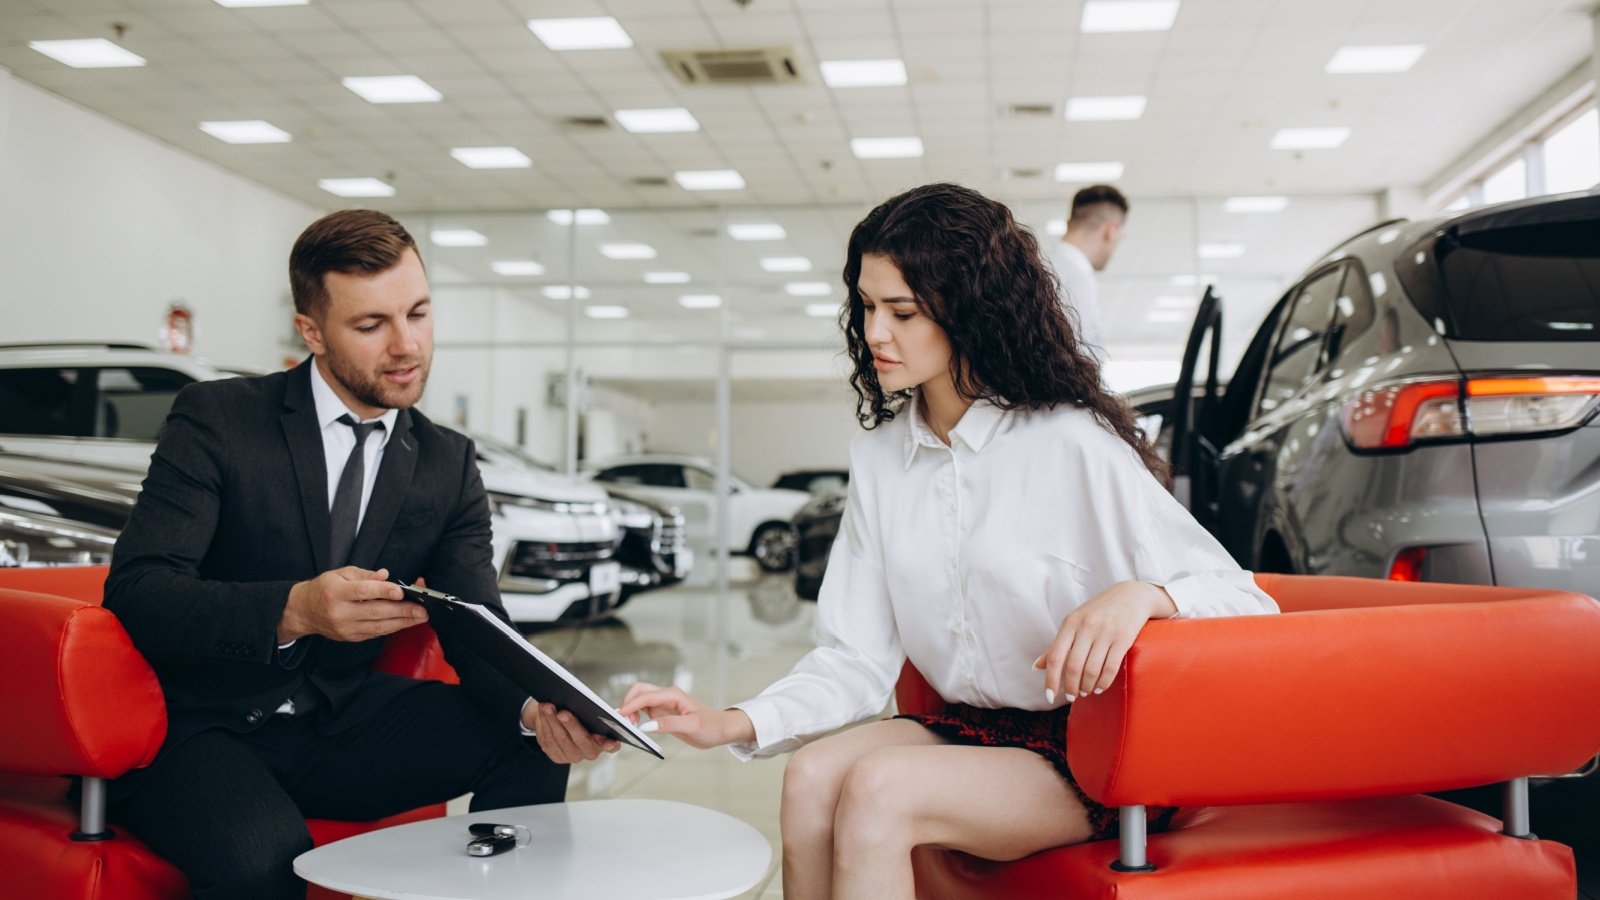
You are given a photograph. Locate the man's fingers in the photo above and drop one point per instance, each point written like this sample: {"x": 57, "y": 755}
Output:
{"x": 588, "y": 745}
{"x": 559, "y": 740}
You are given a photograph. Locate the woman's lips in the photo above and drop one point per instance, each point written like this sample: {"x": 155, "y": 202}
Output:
{"x": 883, "y": 362}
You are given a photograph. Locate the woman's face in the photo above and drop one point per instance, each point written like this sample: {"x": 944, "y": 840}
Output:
{"x": 908, "y": 348}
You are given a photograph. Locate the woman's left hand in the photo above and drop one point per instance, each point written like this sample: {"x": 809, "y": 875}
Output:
{"x": 1088, "y": 649}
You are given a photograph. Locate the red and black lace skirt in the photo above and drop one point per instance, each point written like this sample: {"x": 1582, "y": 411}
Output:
{"x": 1045, "y": 733}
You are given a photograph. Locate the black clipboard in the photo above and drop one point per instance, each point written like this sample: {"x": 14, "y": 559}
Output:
{"x": 528, "y": 667}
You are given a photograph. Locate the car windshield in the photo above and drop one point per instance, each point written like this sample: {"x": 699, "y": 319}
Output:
{"x": 1536, "y": 282}
{"x": 501, "y": 448}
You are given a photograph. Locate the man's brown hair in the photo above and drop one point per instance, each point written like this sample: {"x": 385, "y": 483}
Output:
{"x": 349, "y": 241}
{"x": 1097, "y": 201}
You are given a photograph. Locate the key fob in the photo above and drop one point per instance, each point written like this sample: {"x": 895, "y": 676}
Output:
{"x": 491, "y": 845}
{"x": 490, "y": 829}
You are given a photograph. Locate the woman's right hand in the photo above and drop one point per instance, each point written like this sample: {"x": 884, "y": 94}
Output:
{"x": 674, "y": 712}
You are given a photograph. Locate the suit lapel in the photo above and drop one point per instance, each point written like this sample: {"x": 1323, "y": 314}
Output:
{"x": 388, "y": 493}
{"x": 304, "y": 437}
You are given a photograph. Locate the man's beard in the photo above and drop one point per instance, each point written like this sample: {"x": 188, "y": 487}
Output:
{"x": 374, "y": 391}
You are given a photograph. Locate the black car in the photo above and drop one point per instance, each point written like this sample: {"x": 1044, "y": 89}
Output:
{"x": 815, "y": 526}
{"x": 813, "y": 481}
{"x": 652, "y": 545}
{"x": 1423, "y": 404}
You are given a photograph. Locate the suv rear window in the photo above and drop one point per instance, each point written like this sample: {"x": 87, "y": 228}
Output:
{"x": 1537, "y": 282}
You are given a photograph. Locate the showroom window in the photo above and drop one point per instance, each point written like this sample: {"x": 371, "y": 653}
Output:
{"x": 1572, "y": 155}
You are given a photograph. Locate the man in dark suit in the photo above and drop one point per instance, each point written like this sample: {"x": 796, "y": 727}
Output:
{"x": 254, "y": 575}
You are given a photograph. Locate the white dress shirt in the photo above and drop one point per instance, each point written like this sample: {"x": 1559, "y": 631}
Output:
{"x": 338, "y": 439}
{"x": 1080, "y": 293}
{"x": 966, "y": 558}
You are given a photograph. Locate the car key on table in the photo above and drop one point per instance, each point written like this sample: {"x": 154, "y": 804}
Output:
{"x": 490, "y": 839}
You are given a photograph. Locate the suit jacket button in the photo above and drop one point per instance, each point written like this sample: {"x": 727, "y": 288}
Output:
{"x": 253, "y": 717}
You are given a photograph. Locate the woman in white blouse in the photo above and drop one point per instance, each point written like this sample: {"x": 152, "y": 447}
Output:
{"x": 1006, "y": 530}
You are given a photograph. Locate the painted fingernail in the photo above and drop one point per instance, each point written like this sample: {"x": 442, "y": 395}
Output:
{"x": 1071, "y": 696}
{"x": 1049, "y": 696}
{"x": 650, "y": 726}
{"x": 1099, "y": 690}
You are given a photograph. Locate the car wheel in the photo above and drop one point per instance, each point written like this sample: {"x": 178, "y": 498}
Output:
{"x": 773, "y": 547}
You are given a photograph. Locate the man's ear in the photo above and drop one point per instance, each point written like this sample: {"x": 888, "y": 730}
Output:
{"x": 1113, "y": 230}
{"x": 310, "y": 333}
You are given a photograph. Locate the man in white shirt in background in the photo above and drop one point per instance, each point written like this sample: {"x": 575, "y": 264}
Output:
{"x": 1093, "y": 232}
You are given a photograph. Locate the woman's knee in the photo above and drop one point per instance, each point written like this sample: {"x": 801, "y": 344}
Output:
{"x": 878, "y": 800}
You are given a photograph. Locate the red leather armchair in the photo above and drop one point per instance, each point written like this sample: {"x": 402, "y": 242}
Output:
{"x": 78, "y": 699}
{"x": 1298, "y": 747}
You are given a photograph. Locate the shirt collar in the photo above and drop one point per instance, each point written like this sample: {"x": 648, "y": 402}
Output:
{"x": 976, "y": 427}
{"x": 1070, "y": 252}
{"x": 330, "y": 407}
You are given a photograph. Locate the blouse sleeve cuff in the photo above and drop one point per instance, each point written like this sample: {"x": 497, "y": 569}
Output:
{"x": 770, "y": 739}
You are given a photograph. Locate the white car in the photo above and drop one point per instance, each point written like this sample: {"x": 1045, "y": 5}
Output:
{"x": 554, "y": 537}
{"x": 758, "y": 517}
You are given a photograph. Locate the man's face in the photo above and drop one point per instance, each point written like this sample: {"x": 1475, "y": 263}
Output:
{"x": 376, "y": 336}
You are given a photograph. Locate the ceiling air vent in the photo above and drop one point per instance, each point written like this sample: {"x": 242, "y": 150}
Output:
{"x": 1014, "y": 174}
{"x": 757, "y": 65}
{"x": 1028, "y": 110}
{"x": 585, "y": 122}
{"x": 650, "y": 181}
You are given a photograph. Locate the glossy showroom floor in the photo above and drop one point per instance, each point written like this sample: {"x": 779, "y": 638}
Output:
{"x": 671, "y": 636}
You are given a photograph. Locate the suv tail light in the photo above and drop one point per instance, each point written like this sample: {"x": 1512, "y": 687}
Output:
{"x": 1397, "y": 416}
{"x": 1407, "y": 565}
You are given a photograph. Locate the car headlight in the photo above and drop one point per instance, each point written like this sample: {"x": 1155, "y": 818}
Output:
{"x": 499, "y": 502}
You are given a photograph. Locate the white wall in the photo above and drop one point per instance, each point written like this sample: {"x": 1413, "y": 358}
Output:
{"x": 103, "y": 227}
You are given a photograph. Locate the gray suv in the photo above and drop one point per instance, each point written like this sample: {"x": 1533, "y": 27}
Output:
{"x": 1421, "y": 405}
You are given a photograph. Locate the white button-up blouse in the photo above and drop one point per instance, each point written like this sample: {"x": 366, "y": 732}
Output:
{"x": 966, "y": 558}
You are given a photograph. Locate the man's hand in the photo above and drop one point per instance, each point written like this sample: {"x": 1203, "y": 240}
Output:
{"x": 348, "y": 604}
{"x": 1088, "y": 648}
{"x": 561, "y": 736}
{"x": 672, "y": 711}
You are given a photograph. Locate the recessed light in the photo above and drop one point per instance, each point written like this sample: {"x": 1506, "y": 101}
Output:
{"x": 1221, "y": 251}
{"x": 598, "y": 33}
{"x": 1175, "y": 302}
{"x": 566, "y": 292}
{"x": 656, "y": 121}
{"x": 246, "y": 131}
{"x": 700, "y": 301}
{"x": 848, "y": 73}
{"x": 628, "y": 251}
{"x": 808, "y": 288}
{"x": 709, "y": 180}
{"x": 1089, "y": 171}
{"x": 581, "y": 216}
{"x": 90, "y": 53}
{"x": 606, "y": 312}
{"x": 457, "y": 237}
{"x": 785, "y": 263}
{"x": 822, "y": 310}
{"x": 246, "y": 4}
{"x": 666, "y": 277}
{"x": 491, "y": 157}
{"x": 393, "y": 89}
{"x": 1374, "y": 59}
{"x": 516, "y": 267}
{"x": 1104, "y": 109}
{"x": 1103, "y": 16}
{"x": 1167, "y": 316}
{"x": 1055, "y": 227}
{"x": 757, "y": 231}
{"x": 1255, "y": 204}
{"x": 1309, "y": 138}
{"x": 886, "y": 148}
{"x": 356, "y": 187}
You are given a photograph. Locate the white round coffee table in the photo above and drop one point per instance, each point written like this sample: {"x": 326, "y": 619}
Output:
{"x": 616, "y": 849}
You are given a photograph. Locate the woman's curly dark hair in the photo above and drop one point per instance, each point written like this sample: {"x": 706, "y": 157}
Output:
{"x": 980, "y": 276}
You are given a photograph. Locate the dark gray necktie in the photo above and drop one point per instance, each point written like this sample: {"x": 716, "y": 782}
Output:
{"x": 346, "y": 510}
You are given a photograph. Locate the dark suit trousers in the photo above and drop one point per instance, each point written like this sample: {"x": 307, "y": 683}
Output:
{"x": 229, "y": 809}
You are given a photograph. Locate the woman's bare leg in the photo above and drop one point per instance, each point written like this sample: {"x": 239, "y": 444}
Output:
{"x": 997, "y": 803}
{"x": 811, "y": 786}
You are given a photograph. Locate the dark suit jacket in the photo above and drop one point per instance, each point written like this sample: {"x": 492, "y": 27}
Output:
{"x": 234, "y": 511}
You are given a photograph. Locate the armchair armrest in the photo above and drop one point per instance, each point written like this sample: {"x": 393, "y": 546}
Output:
{"x": 1345, "y": 703}
{"x": 76, "y": 696}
